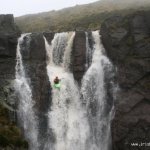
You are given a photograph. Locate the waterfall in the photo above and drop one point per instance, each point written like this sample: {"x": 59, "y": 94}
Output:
{"x": 89, "y": 52}
{"x": 67, "y": 118}
{"x": 26, "y": 115}
{"x": 79, "y": 118}
{"x": 94, "y": 96}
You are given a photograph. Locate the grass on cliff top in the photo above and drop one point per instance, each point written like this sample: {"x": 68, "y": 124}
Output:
{"x": 10, "y": 134}
{"x": 80, "y": 17}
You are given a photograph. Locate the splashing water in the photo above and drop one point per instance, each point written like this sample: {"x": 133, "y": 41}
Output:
{"x": 67, "y": 118}
{"x": 94, "y": 92}
{"x": 26, "y": 115}
{"x": 89, "y": 52}
{"x": 79, "y": 119}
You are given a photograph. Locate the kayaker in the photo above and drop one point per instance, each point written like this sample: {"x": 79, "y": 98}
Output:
{"x": 56, "y": 80}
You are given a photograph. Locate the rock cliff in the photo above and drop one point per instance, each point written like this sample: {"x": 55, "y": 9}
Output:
{"x": 10, "y": 135}
{"x": 79, "y": 55}
{"x": 34, "y": 60}
{"x": 127, "y": 43}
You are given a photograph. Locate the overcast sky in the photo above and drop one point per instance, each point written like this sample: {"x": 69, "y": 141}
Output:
{"x": 22, "y": 7}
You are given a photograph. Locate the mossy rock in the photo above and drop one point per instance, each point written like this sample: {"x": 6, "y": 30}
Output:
{"x": 3, "y": 141}
{"x": 10, "y": 134}
{"x": 21, "y": 143}
{"x": 4, "y": 117}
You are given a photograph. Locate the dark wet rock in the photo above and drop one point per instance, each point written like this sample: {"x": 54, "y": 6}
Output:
{"x": 7, "y": 25}
{"x": 79, "y": 55}
{"x": 34, "y": 60}
{"x": 49, "y": 36}
{"x": 9, "y": 34}
{"x": 10, "y": 135}
{"x": 127, "y": 43}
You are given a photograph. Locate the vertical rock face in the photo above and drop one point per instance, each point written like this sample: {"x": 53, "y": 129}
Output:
{"x": 10, "y": 135}
{"x": 79, "y": 55}
{"x": 8, "y": 43}
{"x": 7, "y": 25}
{"x": 127, "y": 42}
{"x": 34, "y": 60}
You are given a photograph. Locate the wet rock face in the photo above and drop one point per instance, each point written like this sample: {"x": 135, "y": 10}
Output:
{"x": 7, "y": 24}
{"x": 9, "y": 34}
{"x": 8, "y": 43}
{"x": 49, "y": 36}
{"x": 79, "y": 55}
{"x": 127, "y": 43}
{"x": 10, "y": 134}
{"x": 34, "y": 60}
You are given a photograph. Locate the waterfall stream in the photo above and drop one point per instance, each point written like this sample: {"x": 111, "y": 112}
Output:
{"x": 26, "y": 115}
{"x": 67, "y": 118}
{"x": 79, "y": 117}
{"x": 94, "y": 92}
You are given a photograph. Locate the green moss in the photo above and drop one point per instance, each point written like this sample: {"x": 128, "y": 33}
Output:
{"x": 85, "y": 17}
{"x": 3, "y": 116}
{"x": 10, "y": 134}
{"x": 3, "y": 141}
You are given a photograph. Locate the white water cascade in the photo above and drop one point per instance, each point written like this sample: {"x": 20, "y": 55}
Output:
{"x": 94, "y": 96}
{"x": 79, "y": 117}
{"x": 89, "y": 52}
{"x": 26, "y": 115}
{"x": 67, "y": 117}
